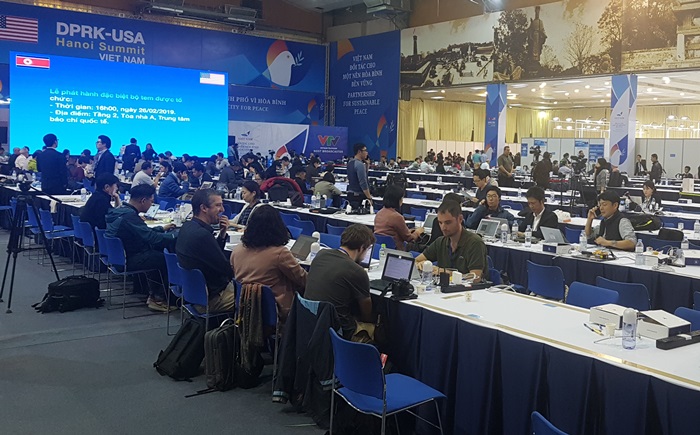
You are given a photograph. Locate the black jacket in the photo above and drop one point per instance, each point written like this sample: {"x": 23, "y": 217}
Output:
{"x": 541, "y": 173}
{"x": 106, "y": 164}
{"x": 54, "y": 174}
{"x": 132, "y": 154}
{"x": 640, "y": 168}
{"x": 656, "y": 172}
{"x": 302, "y": 185}
{"x": 549, "y": 219}
{"x": 196, "y": 182}
{"x": 95, "y": 210}
{"x": 197, "y": 248}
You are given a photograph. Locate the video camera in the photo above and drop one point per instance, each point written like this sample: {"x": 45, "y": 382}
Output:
{"x": 536, "y": 152}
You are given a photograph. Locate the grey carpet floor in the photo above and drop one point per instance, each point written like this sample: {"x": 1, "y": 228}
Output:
{"x": 90, "y": 372}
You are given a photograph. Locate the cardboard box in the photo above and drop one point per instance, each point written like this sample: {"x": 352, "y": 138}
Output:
{"x": 556, "y": 248}
{"x": 659, "y": 324}
{"x": 608, "y": 313}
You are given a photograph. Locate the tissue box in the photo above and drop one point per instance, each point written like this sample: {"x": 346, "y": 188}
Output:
{"x": 659, "y": 324}
{"x": 556, "y": 248}
{"x": 608, "y": 313}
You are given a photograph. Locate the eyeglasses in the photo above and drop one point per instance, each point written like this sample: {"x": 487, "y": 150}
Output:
{"x": 491, "y": 196}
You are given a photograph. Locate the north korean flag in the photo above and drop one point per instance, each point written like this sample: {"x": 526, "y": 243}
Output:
{"x": 33, "y": 62}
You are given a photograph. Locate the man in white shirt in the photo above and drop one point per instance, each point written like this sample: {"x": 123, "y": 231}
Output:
{"x": 221, "y": 162}
{"x": 426, "y": 166}
{"x": 22, "y": 161}
{"x": 144, "y": 175}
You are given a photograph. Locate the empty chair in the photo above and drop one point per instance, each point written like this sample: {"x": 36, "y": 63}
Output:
{"x": 288, "y": 218}
{"x": 419, "y": 212}
{"x": 663, "y": 245}
{"x": 541, "y": 426}
{"x": 89, "y": 245}
{"x": 77, "y": 239}
{"x": 307, "y": 227}
{"x": 54, "y": 232}
{"x": 358, "y": 368}
{"x": 495, "y": 276}
{"x": 295, "y": 232}
{"x": 572, "y": 233}
{"x": 414, "y": 195}
{"x": 307, "y": 198}
{"x": 631, "y": 294}
{"x": 330, "y": 240}
{"x": 693, "y": 316}
{"x": 696, "y": 300}
{"x": 587, "y": 296}
{"x": 330, "y": 229}
{"x": 194, "y": 293}
{"x": 174, "y": 284}
{"x": 547, "y": 281}
{"x": 385, "y": 240}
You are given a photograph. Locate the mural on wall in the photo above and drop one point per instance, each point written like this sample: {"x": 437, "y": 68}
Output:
{"x": 514, "y": 45}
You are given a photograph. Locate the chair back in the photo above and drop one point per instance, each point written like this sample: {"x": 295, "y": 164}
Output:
{"x": 194, "y": 287}
{"x": 495, "y": 276}
{"x": 46, "y": 220}
{"x": 670, "y": 221}
{"x": 338, "y": 231}
{"x": 416, "y": 195}
{"x": 115, "y": 252}
{"x": 330, "y": 240}
{"x": 670, "y": 234}
{"x": 86, "y": 234}
{"x": 357, "y": 366}
{"x": 541, "y": 426}
{"x": 587, "y": 296}
{"x": 516, "y": 205}
{"x": 295, "y": 232}
{"x": 307, "y": 227}
{"x": 101, "y": 243}
{"x": 572, "y": 233}
{"x": 173, "y": 268}
{"x": 419, "y": 212}
{"x": 269, "y": 307}
{"x": 690, "y": 315}
{"x": 168, "y": 202}
{"x": 663, "y": 245}
{"x": 696, "y": 300}
{"x": 288, "y": 219}
{"x": 32, "y": 218}
{"x": 632, "y": 294}
{"x": 385, "y": 240}
{"x": 414, "y": 254}
{"x": 547, "y": 281}
{"x": 307, "y": 198}
{"x": 87, "y": 184}
{"x": 489, "y": 261}
{"x": 75, "y": 220}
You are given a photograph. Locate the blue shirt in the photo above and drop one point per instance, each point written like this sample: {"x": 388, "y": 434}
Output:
{"x": 357, "y": 177}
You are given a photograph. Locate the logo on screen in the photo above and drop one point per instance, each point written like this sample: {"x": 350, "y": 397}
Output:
{"x": 328, "y": 140}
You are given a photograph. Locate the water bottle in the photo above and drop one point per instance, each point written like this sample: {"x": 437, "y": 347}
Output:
{"x": 439, "y": 179}
{"x": 696, "y": 229}
{"x": 680, "y": 256}
{"x": 520, "y": 191}
{"x": 680, "y": 226}
{"x": 314, "y": 201}
{"x": 514, "y": 232}
{"x": 639, "y": 253}
{"x": 315, "y": 247}
{"x": 528, "y": 236}
{"x": 629, "y": 328}
{"x": 382, "y": 256}
{"x": 504, "y": 234}
{"x": 622, "y": 204}
{"x": 427, "y": 275}
{"x": 582, "y": 241}
{"x": 83, "y": 194}
{"x": 127, "y": 196}
{"x": 177, "y": 218}
{"x": 685, "y": 244}
{"x": 237, "y": 195}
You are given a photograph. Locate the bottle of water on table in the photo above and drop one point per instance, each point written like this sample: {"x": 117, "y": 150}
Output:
{"x": 639, "y": 253}
{"x": 504, "y": 234}
{"x": 582, "y": 241}
{"x": 528, "y": 236}
{"x": 382, "y": 256}
{"x": 696, "y": 229}
{"x": 514, "y": 231}
{"x": 629, "y": 328}
{"x": 427, "y": 275}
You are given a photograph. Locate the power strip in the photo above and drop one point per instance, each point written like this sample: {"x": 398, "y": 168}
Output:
{"x": 679, "y": 340}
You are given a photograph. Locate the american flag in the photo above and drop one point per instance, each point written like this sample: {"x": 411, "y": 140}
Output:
{"x": 19, "y": 29}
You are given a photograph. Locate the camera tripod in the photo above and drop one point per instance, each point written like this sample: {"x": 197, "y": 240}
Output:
{"x": 15, "y": 245}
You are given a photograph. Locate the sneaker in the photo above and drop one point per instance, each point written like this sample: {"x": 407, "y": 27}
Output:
{"x": 156, "y": 305}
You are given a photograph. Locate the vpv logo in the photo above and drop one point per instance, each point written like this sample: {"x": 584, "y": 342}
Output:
{"x": 328, "y": 141}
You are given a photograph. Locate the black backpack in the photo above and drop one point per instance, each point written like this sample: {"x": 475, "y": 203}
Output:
{"x": 644, "y": 222}
{"x": 70, "y": 294}
{"x": 183, "y": 356}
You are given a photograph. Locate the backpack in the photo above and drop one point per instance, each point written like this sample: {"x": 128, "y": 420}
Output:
{"x": 70, "y": 294}
{"x": 183, "y": 356}
{"x": 219, "y": 356}
{"x": 644, "y": 222}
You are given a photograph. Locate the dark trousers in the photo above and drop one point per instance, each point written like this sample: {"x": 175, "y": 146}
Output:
{"x": 505, "y": 181}
{"x": 149, "y": 260}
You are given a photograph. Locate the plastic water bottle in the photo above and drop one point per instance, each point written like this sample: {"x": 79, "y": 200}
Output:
{"x": 680, "y": 257}
{"x": 629, "y": 328}
{"x": 520, "y": 191}
{"x": 696, "y": 229}
{"x": 314, "y": 201}
{"x": 127, "y": 196}
{"x": 237, "y": 195}
{"x": 178, "y": 216}
{"x": 382, "y": 256}
{"x": 639, "y": 253}
{"x": 622, "y": 204}
{"x": 439, "y": 179}
{"x": 685, "y": 244}
{"x": 681, "y": 227}
{"x": 315, "y": 247}
{"x": 582, "y": 241}
{"x": 514, "y": 232}
{"x": 83, "y": 194}
{"x": 504, "y": 234}
{"x": 528, "y": 236}
{"x": 427, "y": 275}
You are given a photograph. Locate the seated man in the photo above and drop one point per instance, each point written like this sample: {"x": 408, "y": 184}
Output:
{"x": 482, "y": 180}
{"x": 199, "y": 176}
{"x": 457, "y": 248}
{"x": 144, "y": 175}
{"x": 197, "y": 248}
{"x": 300, "y": 179}
{"x": 538, "y": 216}
{"x": 336, "y": 277}
{"x": 143, "y": 245}
{"x": 614, "y": 231}
{"x": 99, "y": 203}
{"x": 230, "y": 176}
{"x": 490, "y": 208}
{"x": 175, "y": 184}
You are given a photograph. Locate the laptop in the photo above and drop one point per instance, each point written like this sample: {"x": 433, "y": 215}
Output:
{"x": 428, "y": 224}
{"x": 206, "y": 185}
{"x": 367, "y": 260}
{"x": 152, "y": 211}
{"x": 396, "y": 267}
{"x": 636, "y": 199}
{"x": 302, "y": 247}
{"x": 343, "y": 187}
{"x": 490, "y": 227}
{"x": 553, "y": 235}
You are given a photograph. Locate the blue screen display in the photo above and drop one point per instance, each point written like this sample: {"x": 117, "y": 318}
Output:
{"x": 180, "y": 110}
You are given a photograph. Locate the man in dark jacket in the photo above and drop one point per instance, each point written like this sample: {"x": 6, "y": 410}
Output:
{"x": 98, "y": 205}
{"x": 132, "y": 154}
{"x": 104, "y": 160}
{"x": 52, "y": 165}
{"x": 143, "y": 245}
{"x": 300, "y": 179}
{"x": 541, "y": 172}
{"x": 489, "y": 208}
{"x": 171, "y": 186}
{"x": 199, "y": 176}
{"x": 538, "y": 215}
{"x": 656, "y": 169}
{"x": 198, "y": 249}
{"x": 230, "y": 176}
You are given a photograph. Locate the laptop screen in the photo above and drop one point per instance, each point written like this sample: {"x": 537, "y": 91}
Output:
{"x": 429, "y": 219}
{"x": 151, "y": 213}
{"x": 343, "y": 187}
{"x": 302, "y": 246}
{"x": 397, "y": 267}
{"x": 488, "y": 227}
{"x": 367, "y": 260}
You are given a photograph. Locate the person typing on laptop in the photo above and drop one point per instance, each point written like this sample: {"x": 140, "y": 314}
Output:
{"x": 490, "y": 208}
{"x": 614, "y": 231}
{"x": 336, "y": 276}
{"x": 457, "y": 248}
{"x": 538, "y": 216}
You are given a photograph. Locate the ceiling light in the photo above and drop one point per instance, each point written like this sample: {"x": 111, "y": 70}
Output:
{"x": 572, "y": 81}
{"x": 542, "y": 114}
{"x": 607, "y": 95}
{"x": 666, "y": 80}
{"x": 576, "y": 91}
{"x": 533, "y": 90}
{"x": 509, "y": 91}
{"x": 478, "y": 88}
{"x": 607, "y": 83}
{"x": 543, "y": 84}
{"x": 442, "y": 91}
{"x": 556, "y": 118}
{"x": 566, "y": 94}
{"x": 518, "y": 104}
{"x": 657, "y": 99}
{"x": 587, "y": 86}
{"x": 568, "y": 119}
{"x": 511, "y": 96}
{"x": 555, "y": 102}
{"x": 671, "y": 117}
{"x": 568, "y": 127}
{"x": 650, "y": 89}
{"x": 684, "y": 118}
{"x": 682, "y": 93}
{"x": 558, "y": 127}
{"x": 439, "y": 97}
{"x": 602, "y": 101}
{"x": 432, "y": 91}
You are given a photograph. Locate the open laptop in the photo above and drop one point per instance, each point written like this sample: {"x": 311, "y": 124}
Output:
{"x": 367, "y": 260}
{"x": 636, "y": 199}
{"x": 343, "y": 187}
{"x": 302, "y": 247}
{"x": 206, "y": 185}
{"x": 428, "y": 224}
{"x": 396, "y": 267}
{"x": 490, "y": 227}
{"x": 553, "y": 235}
{"x": 152, "y": 211}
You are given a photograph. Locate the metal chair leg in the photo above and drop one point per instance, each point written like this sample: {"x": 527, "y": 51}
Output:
{"x": 437, "y": 409}
{"x": 330, "y": 430}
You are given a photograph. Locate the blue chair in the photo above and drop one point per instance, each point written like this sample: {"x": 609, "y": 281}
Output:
{"x": 631, "y": 294}
{"x": 194, "y": 292}
{"x": 693, "y": 316}
{"x": 307, "y": 198}
{"x": 541, "y": 426}
{"x": 294, "y": 231}
{"x": 409, "y": 217}
{"x": 385, "y": 240}
{"x": 307, "y": 227}
{"x": 670, "y": 221}
{"x": 174, "y": 284}
{"x": 414, "y": 253}
{"x": 89, "y": 186}
{"x": 329, "y": 202}
{"x": 338, "y": 231}
{"x": 663, "y": 245}
{"x": 77, "y": 239}
{"x": 587, "y": 296}
{"x": 54, "y": 232}
{"x": 489, "y": 261}
{"x": 495, "y": 276}
{"x": 89, "y": 245}
{"x": 516, "y": 205}
{"x": 413, "y": 195}
{"x": 547, "y": 281}
{"x": 419, "y": 213}
{"x": 696, "y": 300}
{"x": 572, "y": 233}
{"x": 358, "y": 368}
{"x": 330, "y": 240}
{"x": 288, "y": 218}
{"x": 375, "y": 251}
{"x": 168, "y": 202}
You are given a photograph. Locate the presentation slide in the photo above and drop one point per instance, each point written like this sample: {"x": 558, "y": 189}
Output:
{"x": 180, "y": 110}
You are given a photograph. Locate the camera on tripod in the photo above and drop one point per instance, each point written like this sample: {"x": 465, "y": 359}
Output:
{"x": 578, "y": 164}
{"x": 536, "y": 152}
